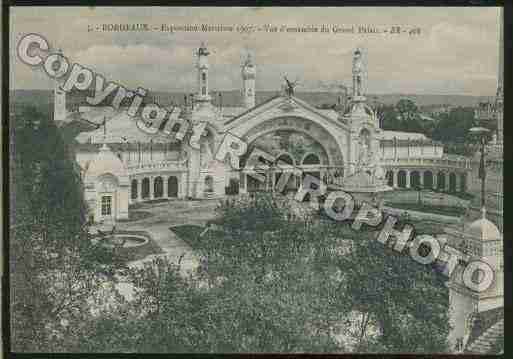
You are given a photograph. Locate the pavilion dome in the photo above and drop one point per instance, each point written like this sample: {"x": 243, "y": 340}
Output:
{"x": 483, "y": 229}
{"x": 106, "y": 162}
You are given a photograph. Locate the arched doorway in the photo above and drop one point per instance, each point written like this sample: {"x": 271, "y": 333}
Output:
{"x": 282, "y": 162}
{"x": 209, "y": 184}
{"x": 107, "y": 197}
{"x": 401, "y": 179}
{"x": 311, "y": 159}
{"x": 286, "y": 158}
{"x": 452, "y": 182}
{"x": 390, "y": 178}
{"x": 440, "y": 180}
{"x": 172, "y": 187}
{"x": 133, "y": 189}
{"x": 297, "y": 136}
{"x": 463, "y": 179}
{"x": 415, "y": 179}
{"x": 158, "y": 187}
{"x": 145, "y": 190}
{"x": 428, "y": 179}
{"x": 254, "y": 185}
{"x": 233, "y": 187}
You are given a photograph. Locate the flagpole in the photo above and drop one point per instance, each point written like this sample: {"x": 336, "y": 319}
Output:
{"x": 482, "y": 172}
{"x": 481, "y": 132}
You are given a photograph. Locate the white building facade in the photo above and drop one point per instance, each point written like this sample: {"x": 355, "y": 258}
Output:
{"x": 123, "y": 165}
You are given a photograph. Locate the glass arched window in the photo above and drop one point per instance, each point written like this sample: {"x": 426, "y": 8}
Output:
{"x": 311, "y": 159}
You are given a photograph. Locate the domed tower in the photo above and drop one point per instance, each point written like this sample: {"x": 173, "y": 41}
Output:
{"x": 248, "y": 82}
{"x": 202, "y": 66}
{"x": 474, "y": 290}
{"x": 363, "y": 122}
{"x": 358, "y": 72}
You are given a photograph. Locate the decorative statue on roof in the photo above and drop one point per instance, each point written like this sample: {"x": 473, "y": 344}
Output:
{"x": 365, "y": 156}
{"x": 378, "y": 173}
{"x": 357, "y": 73}
{"x": 290, "y": 86}
{"x": 203, "y": 51}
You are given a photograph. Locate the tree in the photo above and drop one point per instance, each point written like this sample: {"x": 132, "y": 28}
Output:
{"x": 276, "y": 284}
{"x": 407, "y": 109}
{"x": 453, "y": 130}
{"x": 389, "y": 118}
{"x": 53, "y": 267}
{"x": 405, "y": 300}
{"x": 404, "y": 116}
{"x": 264, "y": 290}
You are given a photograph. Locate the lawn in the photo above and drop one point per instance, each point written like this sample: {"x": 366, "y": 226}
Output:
{"x": 136, "y": 216}
{"x": 426, "y": 227}
{"x": 190, "y": 234}
{"x": 428, "y": 208}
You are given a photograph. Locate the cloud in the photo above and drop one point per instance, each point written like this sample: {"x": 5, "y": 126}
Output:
{"x": 457, "y": 49}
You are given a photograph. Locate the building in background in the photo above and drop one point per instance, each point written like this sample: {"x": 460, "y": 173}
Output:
{"x": 122, "y": 165}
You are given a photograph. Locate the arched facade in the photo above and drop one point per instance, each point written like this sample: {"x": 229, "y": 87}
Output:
{"x": 158, "y": 187}
{"x": 134, "y": 189}
{"x": 145, "y": 192}
{"x": 330, "y": 145}
{"x": 172, "y": 187}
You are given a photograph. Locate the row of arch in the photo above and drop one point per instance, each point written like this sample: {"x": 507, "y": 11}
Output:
{"x": 308, "y": 159}
{"x": 143, "y": 190}
{"x": 428, "y": 180}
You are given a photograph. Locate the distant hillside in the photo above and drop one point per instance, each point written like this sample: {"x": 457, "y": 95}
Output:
{"x": 233, "y": 98}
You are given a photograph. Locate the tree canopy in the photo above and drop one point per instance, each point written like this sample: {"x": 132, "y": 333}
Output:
{"x": 53, "y": 265}
{"x": 275, "y": 283}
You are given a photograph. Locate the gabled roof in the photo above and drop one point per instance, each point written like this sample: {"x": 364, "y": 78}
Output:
{"x": 251, "y": 109}
{"x": 120, "y": 128}
{"x": 278, "y": 99}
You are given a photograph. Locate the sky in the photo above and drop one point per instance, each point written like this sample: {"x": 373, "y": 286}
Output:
{"x": 456, "y": 51}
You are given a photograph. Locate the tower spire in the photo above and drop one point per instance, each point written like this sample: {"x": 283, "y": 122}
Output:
{"x": 358, "y": 94}
{"x": 500, "y": 81}
{"x": 248, "y": 82}
{"x": 202, "y": 66}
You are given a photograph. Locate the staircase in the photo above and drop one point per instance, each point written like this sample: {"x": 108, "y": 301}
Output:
{"x": 209, "y": 195}
{"x": 484, "y": 343}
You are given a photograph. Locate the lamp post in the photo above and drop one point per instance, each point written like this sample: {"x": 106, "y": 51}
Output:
{"x": 481, "y": 133}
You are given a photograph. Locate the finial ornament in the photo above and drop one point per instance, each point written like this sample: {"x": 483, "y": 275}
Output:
{"x": 203, "y": 51}
{"x": 249, "y": 60}
{"x": 289, "y": 86}
{"x": 357, "y": 74}
{"x": 483, "y": 212}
